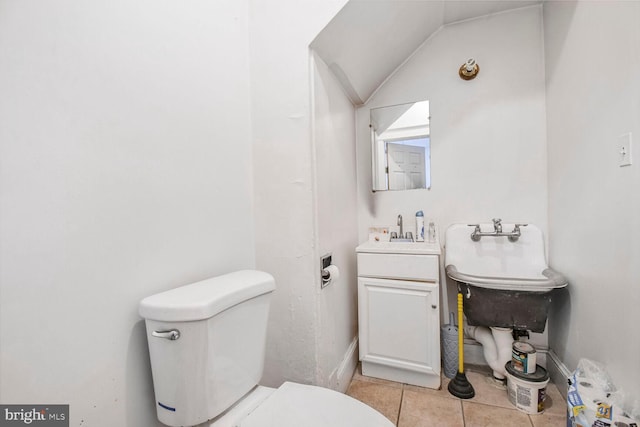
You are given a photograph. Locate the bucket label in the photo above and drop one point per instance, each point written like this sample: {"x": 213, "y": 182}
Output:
{"x": 526, "y": 396}
{"x": 541, "y": 397}
{"x": 523, "y": 395}
{"x": 512, "y": 395}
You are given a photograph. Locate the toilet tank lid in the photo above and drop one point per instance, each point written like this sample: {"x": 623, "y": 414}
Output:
{"x": 205, "y": 299}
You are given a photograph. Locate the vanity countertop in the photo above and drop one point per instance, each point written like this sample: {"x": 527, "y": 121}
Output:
{"x": 411, "y": 248}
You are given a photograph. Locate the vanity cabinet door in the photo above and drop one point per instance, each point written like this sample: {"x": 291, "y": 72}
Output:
{"x": 399, "y": 324}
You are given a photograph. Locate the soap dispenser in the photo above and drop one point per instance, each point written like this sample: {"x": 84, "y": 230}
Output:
{"x": 419, "y": 226}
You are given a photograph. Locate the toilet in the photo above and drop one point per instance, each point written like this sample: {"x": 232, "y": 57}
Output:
{"x": 207, "y": 345}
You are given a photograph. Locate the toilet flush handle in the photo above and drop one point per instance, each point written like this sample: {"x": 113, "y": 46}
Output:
{"x": 172, "y": 334}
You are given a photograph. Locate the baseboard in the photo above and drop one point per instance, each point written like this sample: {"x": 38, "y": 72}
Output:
{"x": 429, "y": 379}
{"x": 558, "y": 372}
{"x": 341, "y": 376}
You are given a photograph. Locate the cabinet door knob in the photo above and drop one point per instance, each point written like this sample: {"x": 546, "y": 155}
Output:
{"x": 434, "y": 306}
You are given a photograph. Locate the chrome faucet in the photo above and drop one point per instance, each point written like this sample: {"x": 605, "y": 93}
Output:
{"x": 513, "y": 235}
{"x": 401, "y": 236}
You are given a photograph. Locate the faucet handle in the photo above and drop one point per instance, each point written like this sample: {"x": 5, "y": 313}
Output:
{"x": 475, "y": 236}
{"x": 496, "y": 221}
{"x": 515, "y": 234}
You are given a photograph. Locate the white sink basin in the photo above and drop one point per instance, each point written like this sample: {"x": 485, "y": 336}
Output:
{"x": 415, "y": 248}
{"x": 497, "y": 263}
{"x": 506, "y": 284}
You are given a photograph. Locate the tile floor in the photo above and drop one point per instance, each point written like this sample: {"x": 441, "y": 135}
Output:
{"x": 410, "y": 406}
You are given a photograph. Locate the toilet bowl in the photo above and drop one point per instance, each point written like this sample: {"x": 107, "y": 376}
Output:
{"x": 206, "y": 345}
{"x": 296, "y": 405}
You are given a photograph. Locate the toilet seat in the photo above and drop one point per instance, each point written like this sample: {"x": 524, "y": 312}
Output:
{"x": 295, "y": 405}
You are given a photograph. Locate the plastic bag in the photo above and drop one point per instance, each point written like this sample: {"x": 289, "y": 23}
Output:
{"x": 594, "y": 401}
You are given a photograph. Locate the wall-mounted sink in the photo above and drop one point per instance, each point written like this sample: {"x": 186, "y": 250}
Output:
{"x": 506, "y": 284}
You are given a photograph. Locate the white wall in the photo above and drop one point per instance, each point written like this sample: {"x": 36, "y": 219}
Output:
{"x": 124, "y": 171}
{"x": 593, "y": 96}
{"x": 334, "y": 143}
{"x": 280, "y": 34}
{"x": 488, "y": 151}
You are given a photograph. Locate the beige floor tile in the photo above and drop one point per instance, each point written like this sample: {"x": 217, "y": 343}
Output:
{"x": 358, "y": 376}
{"x": 442, "y": 391}
{"x": 487, "y": 391}
{"x": 428, "y": 407}
{"x": 380, "y": 397}
{"x": 554, "y": 403}
{"x": 548, "y": 420}
{"x": 425, "y": 409}
{"x": 481, "y": 415}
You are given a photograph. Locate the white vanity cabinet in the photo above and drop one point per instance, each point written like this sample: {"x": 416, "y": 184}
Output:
{"x": 399, "y": 311}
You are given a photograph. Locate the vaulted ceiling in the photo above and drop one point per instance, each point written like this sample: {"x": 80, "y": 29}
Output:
{"x": 369, "y": 39}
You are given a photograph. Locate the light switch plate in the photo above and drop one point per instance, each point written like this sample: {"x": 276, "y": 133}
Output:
{"x": 624, "y": 149}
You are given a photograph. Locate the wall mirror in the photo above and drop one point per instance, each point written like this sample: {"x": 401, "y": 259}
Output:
{"x": 400, "y": 147}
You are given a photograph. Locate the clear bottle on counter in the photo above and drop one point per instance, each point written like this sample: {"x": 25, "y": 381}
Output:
{"x": 431, "y": 233}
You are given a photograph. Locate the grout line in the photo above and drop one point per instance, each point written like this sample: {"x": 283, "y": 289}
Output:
{"x": 489, "y": 404}
{"x": 464, "y": 420}
{"x": 400, "y": 408}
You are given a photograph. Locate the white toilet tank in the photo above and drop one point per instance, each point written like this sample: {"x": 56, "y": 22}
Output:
{"x": 206, "y": 344}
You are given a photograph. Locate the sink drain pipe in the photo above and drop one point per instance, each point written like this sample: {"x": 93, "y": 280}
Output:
{"x": 496, "y": 344}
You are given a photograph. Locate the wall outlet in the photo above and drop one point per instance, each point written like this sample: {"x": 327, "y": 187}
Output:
{"x": 624, "y": 150}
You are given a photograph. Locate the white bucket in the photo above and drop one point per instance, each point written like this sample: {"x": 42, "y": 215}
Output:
{"x": 527, "y": 392}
